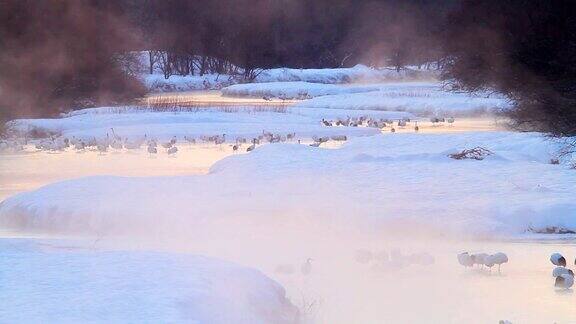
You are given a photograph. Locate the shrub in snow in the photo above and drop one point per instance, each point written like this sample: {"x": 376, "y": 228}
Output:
{"x": 477, "y": 153}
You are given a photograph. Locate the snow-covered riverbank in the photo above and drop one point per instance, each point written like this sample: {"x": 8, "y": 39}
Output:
{"x": 56, "y": 281}
{"x": 386, "y": 180}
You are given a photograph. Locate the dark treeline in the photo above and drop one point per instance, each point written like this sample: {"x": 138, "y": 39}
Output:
{"x": 61, "y": 54}
{"x": 524, "y": 49}
{"x": 216, "y": 36}
{"x": 57, "y": 54}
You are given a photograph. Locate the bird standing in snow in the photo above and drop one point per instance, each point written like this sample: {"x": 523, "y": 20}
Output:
{"x": 498, "y": 258}
{"x": 152, "y": 149}
{"x": 102, "y": 148}
{"x": 479, "y": 258}
{"x": 172, "y": 150}
{"x": 306, "y": 267}
{"x": 558, "y": 260}
{"x": 465, "y": 259}
{"x": 190, "y": 140}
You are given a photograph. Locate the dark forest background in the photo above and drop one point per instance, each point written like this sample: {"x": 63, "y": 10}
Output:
{"x": 61, "y": 54}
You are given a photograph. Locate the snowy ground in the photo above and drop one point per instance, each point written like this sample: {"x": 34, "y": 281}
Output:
{"x": 400, "y": 179}
{"x": 422, "y": 98}
{"x": 56, "y": 281}
{"x": 137, "y": 223}
{"x": 197, "y": 114}
{"x": 164, "y": 125}
{"x": 283, "y": 203}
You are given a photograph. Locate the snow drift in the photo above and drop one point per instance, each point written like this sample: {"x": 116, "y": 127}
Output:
{"x": 421, "y": 98}
{"x": 389, "y": 182}
{"x": 51, "y": 281}
{"x": 359, "y": 73}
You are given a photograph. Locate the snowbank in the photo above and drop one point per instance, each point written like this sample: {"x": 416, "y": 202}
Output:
{"x": 415, "y": 97}
{"x": 359, "y": 73}
{"x": 385, "y": 181}
{"x": 290, "y": 90}
{"x": 50, "y": 281}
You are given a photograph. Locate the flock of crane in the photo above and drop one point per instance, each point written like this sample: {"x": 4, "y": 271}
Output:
{"x": 482, "y": 259}
{"x": 380, "y": 261}
{"x": 383, "y": 123}
{"x": 563, "y": 277}
{"x": 116, "y": 142}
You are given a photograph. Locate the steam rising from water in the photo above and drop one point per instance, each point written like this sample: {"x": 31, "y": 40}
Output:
{"x": 261, "y": 218}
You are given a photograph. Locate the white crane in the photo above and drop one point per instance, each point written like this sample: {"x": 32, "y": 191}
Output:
{"x": 465, "y": 259}
{"x": 190, "y": 140}
{"x": 497, "y": 258}
{"x": 306, "y": 267}
{"x": 102, "y": 147}
{"x": 172, "y": 150}
{"x": 152, "y": 149}
{"x": 116, "y": 137}
{"x": 116, "y": 144}
{"x": 79, "y": 145}
{"x": 133, "y": 145}
{"x": 558, "y": 260}
{"x": 479, "y": 258}
{"x": 220, "y": 139}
